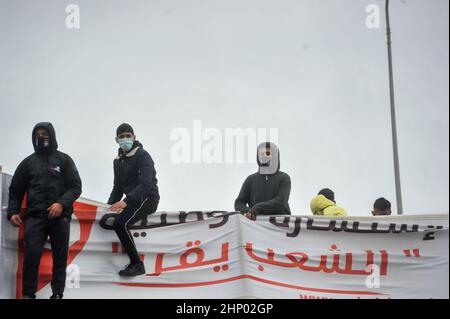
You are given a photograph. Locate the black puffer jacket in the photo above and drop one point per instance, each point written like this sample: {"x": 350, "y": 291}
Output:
{"x": 134, "y": 176}
{"x": 48, "y": 177}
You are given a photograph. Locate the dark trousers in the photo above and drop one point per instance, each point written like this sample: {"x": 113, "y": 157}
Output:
{"x": 36, "y": 232}
{"x": 129, "y": 216}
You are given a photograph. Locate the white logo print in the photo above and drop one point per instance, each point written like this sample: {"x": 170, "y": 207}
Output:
{"x": 57, "y": 169}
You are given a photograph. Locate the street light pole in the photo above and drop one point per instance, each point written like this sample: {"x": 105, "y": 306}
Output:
{"x": 398, "y": 189}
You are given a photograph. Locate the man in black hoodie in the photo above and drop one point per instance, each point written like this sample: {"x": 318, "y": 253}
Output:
{"x": 134, "y": 176}
{"x": 52, "y": 183}
{"x": 267, "y": 191}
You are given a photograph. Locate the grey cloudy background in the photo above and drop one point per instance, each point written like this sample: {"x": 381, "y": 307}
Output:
{"x": 310, "y": 68}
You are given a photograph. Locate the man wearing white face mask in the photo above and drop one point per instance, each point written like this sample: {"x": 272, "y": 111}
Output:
{"x": 134, "y": 177}
{"x": 267, "y": 191}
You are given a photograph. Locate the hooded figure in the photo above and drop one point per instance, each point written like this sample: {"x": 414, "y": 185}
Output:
{"x": 322, "y": 206}
{"x": 268, "y": 159}
{"x": 44, "y": 145}
{"x": 48, "y": 175}
{"x": 52, "y": 183}
{"x": 267, "y": 191}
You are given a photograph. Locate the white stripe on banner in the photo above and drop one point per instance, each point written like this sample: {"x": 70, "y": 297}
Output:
{"x": 225, "y": 255}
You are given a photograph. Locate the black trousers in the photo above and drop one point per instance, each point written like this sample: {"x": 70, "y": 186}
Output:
{"x": 36, "y": 232}
{"x": 129, "y": 216}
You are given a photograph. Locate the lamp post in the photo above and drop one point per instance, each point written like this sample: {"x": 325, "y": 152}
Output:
{"x": 398, "y": 189}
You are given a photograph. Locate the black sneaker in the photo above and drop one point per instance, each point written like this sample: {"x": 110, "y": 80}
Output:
{"x": 56, "y": 296}
{"x": 133, "y": 270}
{"x": 29, "y": 297}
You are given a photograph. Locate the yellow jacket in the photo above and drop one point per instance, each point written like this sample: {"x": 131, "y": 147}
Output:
{"x": 320, "y": 205}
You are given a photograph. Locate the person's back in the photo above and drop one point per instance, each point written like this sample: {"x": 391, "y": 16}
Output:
{"x": 324, "y": 205}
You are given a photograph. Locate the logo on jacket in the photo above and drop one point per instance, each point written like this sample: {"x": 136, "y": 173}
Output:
{"x": 56, "y": 169}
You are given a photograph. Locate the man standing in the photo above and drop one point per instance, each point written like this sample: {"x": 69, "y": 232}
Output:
{"x": 267, "y": 191}
{"x": 52, "y": 183}
{"x": 134, "y": 176}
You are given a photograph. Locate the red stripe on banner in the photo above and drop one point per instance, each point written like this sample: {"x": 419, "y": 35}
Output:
{"x": 20, "y": 250}
{"x": 20, "y": 263}
{"x": 266, "y": 281}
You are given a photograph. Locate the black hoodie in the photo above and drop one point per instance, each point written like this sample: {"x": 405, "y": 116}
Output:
{"x": 134, "y": 176}
{"x": 265, "y": 194}
{"x": 47, "y": 177}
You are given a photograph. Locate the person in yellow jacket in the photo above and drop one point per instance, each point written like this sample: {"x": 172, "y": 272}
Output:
{"x": 324, "y": 204}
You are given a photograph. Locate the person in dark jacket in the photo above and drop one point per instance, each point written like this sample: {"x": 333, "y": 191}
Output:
{"x": 267, "y": 191}
{"x": 52, "y": 183}
{"x": 134, "y": 177}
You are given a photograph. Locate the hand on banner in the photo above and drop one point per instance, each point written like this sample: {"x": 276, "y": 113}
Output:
{"x": 250, "y": 215}
{"x": 16, "y": 220}
{"x": 119, "y": 206}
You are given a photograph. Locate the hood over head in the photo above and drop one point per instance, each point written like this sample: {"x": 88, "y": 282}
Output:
{"x": 268, "y": 164}
{"x": 319, "y": 203}
{"x": 53, "y": 144}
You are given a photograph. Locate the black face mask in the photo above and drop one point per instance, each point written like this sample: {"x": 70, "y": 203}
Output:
{"x": 42, "y": 144}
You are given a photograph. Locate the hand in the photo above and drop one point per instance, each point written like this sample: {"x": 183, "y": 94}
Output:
{"x": 118, "y": 206}
{"x": 16, "y": 220}
{"x": 250, "y": 215}
{"x": 55, "y": 210}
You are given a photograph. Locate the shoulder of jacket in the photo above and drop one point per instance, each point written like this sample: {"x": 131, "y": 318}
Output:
{"x": 23, "y": 165}
{"x": 335, "y": 211}
{"x": 135, "y": 152}
{"x": 28, "y": 158}
{"x": 284, "y": 176}
{"x": 63, "y": 156}
{"x": 142, "y": 153}
{"x": 342, "y": 211}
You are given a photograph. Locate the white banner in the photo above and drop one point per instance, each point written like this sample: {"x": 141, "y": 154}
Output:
{"x": 224, "y": 255}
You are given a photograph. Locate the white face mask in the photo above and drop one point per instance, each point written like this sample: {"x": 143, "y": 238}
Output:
{"x": 42, "y": 142}
{"x": 264, "y": 159}
{"x": 126, "y": 144}
{"x": 268, "y": 164}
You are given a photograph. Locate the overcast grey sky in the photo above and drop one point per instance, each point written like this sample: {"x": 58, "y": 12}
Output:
{"x": 310, "y": 68}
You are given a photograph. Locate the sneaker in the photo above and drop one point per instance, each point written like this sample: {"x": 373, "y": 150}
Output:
{"x": 132, "y": 270}
{"x": 56, "y": 296}
{"x": 29, "y": 297}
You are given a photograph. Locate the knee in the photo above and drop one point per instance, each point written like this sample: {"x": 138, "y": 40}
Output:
{"x": 119, "y": 224}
